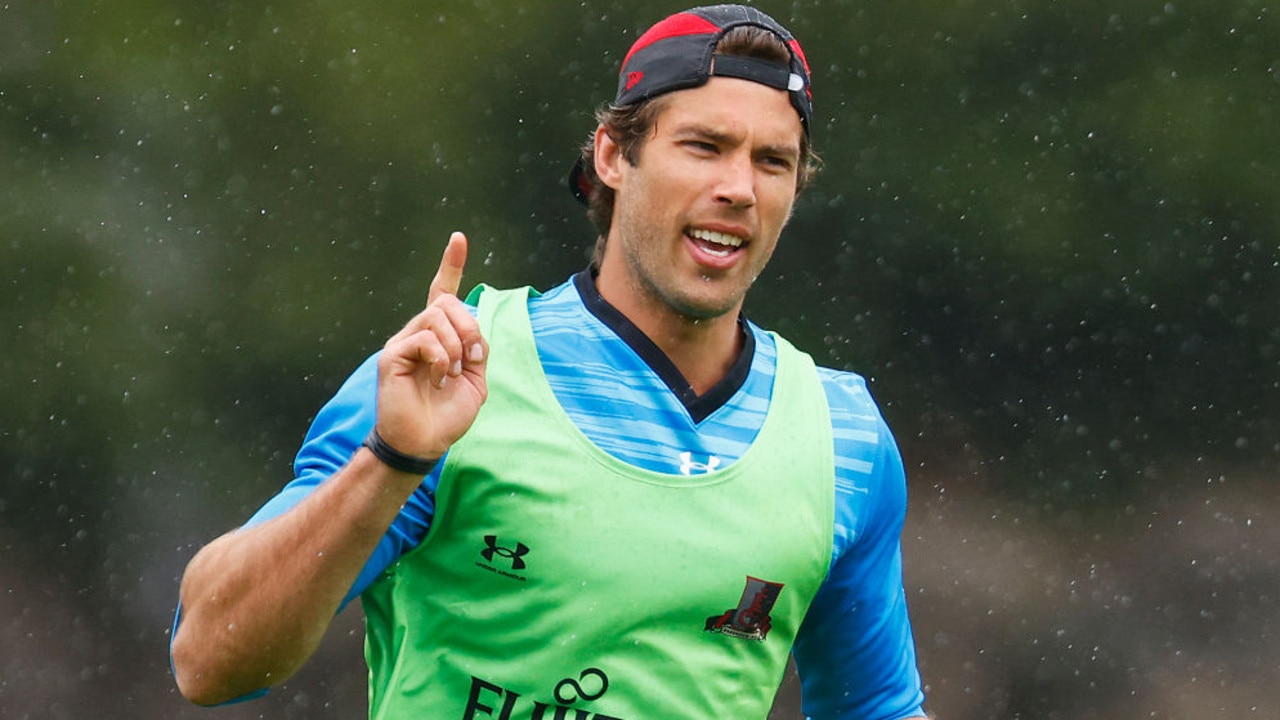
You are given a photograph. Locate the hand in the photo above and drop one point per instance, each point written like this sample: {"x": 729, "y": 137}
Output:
{"x": 431, "y": 380}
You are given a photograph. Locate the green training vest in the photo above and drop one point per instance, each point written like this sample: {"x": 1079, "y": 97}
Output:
{"x": 559, "y": 583}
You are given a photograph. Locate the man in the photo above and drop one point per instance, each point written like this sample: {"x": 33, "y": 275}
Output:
{"x": 619, "y": 499}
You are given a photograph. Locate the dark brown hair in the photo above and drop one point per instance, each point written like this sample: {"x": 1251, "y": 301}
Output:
{"x": 630, "y": 126}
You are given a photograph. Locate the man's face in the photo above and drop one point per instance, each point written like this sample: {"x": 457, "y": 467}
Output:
{"x": 698, "y": 217}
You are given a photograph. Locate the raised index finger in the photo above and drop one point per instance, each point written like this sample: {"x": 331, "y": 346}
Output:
{"x": 449, "y": 276}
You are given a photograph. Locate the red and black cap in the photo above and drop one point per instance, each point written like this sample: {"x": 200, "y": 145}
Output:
{"x": 679, "y": 53}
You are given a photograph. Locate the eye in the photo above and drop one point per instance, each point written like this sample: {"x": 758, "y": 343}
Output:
{"x": 777, "y": 163}
{"x": 702, "y": 146}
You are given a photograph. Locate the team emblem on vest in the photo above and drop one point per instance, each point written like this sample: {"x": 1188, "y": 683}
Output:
{"x": 750, "y": 620}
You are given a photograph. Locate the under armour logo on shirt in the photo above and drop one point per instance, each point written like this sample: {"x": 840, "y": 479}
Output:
{"x": 689, "y": 467}
{"x": 515, "y": 554}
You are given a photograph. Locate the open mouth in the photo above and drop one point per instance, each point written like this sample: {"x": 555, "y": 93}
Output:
{"x": 716, "y": 243}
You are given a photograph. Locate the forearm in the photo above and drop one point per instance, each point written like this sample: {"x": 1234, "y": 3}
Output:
{"x": 256, "y": 602}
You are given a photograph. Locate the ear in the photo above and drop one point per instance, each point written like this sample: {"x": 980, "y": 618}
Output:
{"x": 608, "y": 158}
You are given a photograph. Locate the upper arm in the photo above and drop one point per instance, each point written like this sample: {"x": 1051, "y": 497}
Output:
{"x": 855, "y": 650}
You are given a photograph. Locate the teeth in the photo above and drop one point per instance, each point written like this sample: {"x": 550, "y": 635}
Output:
{"x": 718, "y": 238}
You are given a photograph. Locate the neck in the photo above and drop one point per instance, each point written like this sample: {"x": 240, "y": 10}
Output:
{"x": 702, "y": 349}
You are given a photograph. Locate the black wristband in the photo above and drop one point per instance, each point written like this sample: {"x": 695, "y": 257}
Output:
{"x": 395, "y": 459}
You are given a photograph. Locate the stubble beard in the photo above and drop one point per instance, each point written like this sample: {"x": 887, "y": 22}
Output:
{"x": 647, "y": 270}
{"x": 656, "y": 280}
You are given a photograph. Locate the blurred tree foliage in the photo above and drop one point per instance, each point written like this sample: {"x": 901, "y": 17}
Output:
{"x": 1047, "y": 231}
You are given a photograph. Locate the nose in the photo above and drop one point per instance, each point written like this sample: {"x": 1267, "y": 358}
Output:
{"x": 737, "y": 181}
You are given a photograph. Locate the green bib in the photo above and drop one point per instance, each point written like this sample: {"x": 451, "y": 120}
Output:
{"x": 559, "y": 583}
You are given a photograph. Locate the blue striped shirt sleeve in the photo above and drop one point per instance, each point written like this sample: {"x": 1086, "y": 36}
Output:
{"x": 855, "y": 652}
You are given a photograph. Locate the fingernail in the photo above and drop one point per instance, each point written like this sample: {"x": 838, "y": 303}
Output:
{"x": 477, "y": 353}
{"x": 441, "y": 382}
{"x": 456, "y": 369}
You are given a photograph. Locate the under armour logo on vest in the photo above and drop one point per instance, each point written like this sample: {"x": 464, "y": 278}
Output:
{"x": 515, "y": 555}
{"x": 689, "y": 467}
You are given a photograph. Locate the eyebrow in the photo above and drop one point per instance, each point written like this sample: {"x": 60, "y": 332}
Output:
{"x": 719, "y": 136}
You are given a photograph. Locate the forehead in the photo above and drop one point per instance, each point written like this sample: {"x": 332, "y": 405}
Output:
{"x": 733, "y": 106}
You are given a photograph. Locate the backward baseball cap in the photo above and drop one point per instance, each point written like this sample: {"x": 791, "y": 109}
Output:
{"x": 678, "y": 52}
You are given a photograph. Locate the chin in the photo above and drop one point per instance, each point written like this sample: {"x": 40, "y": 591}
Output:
{"x": 705, "y": 309}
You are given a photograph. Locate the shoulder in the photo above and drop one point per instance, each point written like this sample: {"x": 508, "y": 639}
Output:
{"x": 855, "y": 415}
{"x": 559, "y": 306}
{"x": 849, "y": 400}
{"x": 559, "y": 300}
{"x": 847, "y": 393}
{"x": 864, "y": 445}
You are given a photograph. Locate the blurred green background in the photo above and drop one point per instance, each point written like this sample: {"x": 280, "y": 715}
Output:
{"x": 1048, "y": 233}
